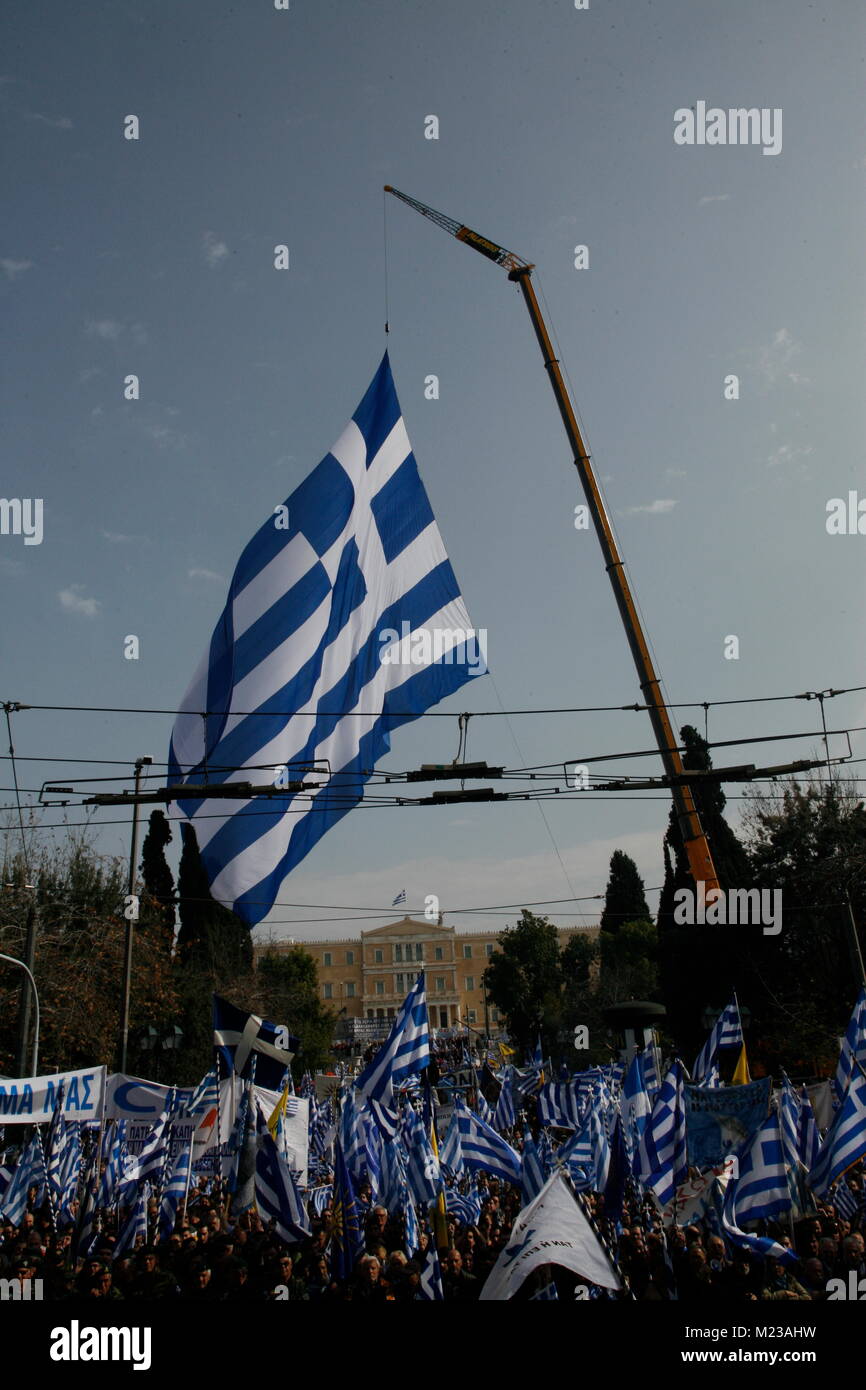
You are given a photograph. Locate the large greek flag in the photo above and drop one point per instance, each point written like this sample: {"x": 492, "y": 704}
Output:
{"x": 344, "y": 620}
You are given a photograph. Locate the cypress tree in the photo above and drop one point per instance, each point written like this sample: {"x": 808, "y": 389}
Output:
{"x": 624, "y": 900}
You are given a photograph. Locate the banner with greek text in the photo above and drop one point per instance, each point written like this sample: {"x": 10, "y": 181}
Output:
{"x": 30, "y": 1100}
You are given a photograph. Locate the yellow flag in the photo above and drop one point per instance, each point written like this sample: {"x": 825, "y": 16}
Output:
{"x": 505, "y": 1051}
{"x": 276, "y": 1115}
{"x": 741, "y": 1076}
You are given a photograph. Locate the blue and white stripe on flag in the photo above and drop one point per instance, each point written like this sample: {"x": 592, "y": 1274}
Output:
{"x": 483, "y": 1109}
{"x": 503, "y": 1115}
{"x": 277, "y": 1198}
{"x": 484, "y": 1149}
{"x": 761, "y": 1189}
{"x": 343, "y": 621}
{"x": 135, "y": 1226}
{"x": 662, "y": 1163}
{"x": 430, "y": 1283}
{"x": 405, "y": 1050}
{"x": 532, "y": 1177}
{"x": 450, "y": 1154}
{"x": 844, "y": 1200}
{"x": 636, "y": 1108}
{"x": 726, "y": 1032}
{"x": 465, "y": 1206}
{"x": 853, "y": 1045}
{"x": 175, "y": 1190}
{"x": 845, "y": 1140}
{"x": 29, "y": 1172}
{"x": 808, "y": 1138}
{"x": 422, "y": 1165}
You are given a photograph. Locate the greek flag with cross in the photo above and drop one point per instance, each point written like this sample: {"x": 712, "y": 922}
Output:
{"x": 344, "y": 620}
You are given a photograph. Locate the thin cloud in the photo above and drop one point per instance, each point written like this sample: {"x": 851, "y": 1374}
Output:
{"x": 12, "y": 269}
{"x": 206, "y": 574}
{"x": 118, "y": 538}
{"x": 774, "y": 361}
{"x": 61, "y": 123}
{"x": 787, "y": 454}
{"x": 659, "y": 507}
{"x": 215, "y": 251}
{"x": 109, "y": 330}
{"x": 72, "y": 601}
{"x": 713, "y": 198}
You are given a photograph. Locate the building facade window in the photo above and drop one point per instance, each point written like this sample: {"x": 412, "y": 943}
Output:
{"x": 419, "y": 951}
{"x": 438, "y": 955}
{"x": 470, "y": 1016}
{"x": 326, "y": 958}
{"x": 398, "y": 953}
{"x": 377, "y": 957}
{"x": 488, "y": 949}
{"x": 467, "y": 952}
{"x": 469, "y": 983}
{"x": 350, "y": 957}
{"x": 440, "y": 984}
{"x": 350, "y": 989}
{"x": 380, "y": 986}
{"x": 327, "y": 991}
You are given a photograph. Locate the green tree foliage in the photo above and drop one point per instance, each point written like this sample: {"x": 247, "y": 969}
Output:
{"x": 809, "y": 841}
{"x": 78, "y": 897}
{"x": 628, "y": 963}
{"x": 286, "y": 990}
{"x": 524, "y": 981}
{"x": 624, "y": 899}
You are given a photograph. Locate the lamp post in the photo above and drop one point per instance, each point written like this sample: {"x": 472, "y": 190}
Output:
{"x": 12, "y": 961}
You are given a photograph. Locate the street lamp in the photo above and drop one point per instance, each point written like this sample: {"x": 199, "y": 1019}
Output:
{"x": 12, "y": 961}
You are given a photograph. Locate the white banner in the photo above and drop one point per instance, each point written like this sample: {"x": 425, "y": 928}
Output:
{"x": 551, "y": 1230}
{"x": 131, "y": 1098}
{"x": 31, "y": 1100}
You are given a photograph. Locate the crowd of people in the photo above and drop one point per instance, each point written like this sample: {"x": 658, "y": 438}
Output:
{"x": 214, "y": 1255}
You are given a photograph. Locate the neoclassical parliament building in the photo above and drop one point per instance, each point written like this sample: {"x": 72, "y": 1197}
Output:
{"x": 368, "y": 977}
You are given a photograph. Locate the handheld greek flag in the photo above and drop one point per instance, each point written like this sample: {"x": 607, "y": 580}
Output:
{"x": 344, "y": 620}
{"x": 845, "y": 1140}
{"x": 484, "y": 1149}
{"x": 135, "y": 1226}
{"x": 853, "y": 1045}
{"x": 400, "y": 898}
{"x": 405, "y": 1050}
{"x": 503, "y": 1115}
{"x": 725, "y": 1032}
{"x": 430, "y": 1283}
{"x": 29, "y": 1171}
{"x": 243, "y": 1039}
{"x": 761, "y": 1189}
{"x": 662, "y": 1162}
{"x": 276, "y": 1196}
{"x": 175, "y": 1190}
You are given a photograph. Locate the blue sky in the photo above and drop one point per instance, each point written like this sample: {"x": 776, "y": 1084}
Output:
{"x": 155, "y": 257}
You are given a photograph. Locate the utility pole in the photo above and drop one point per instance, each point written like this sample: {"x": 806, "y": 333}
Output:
{"x": 131, "y": 915}
{"x": 27, "y": 990}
